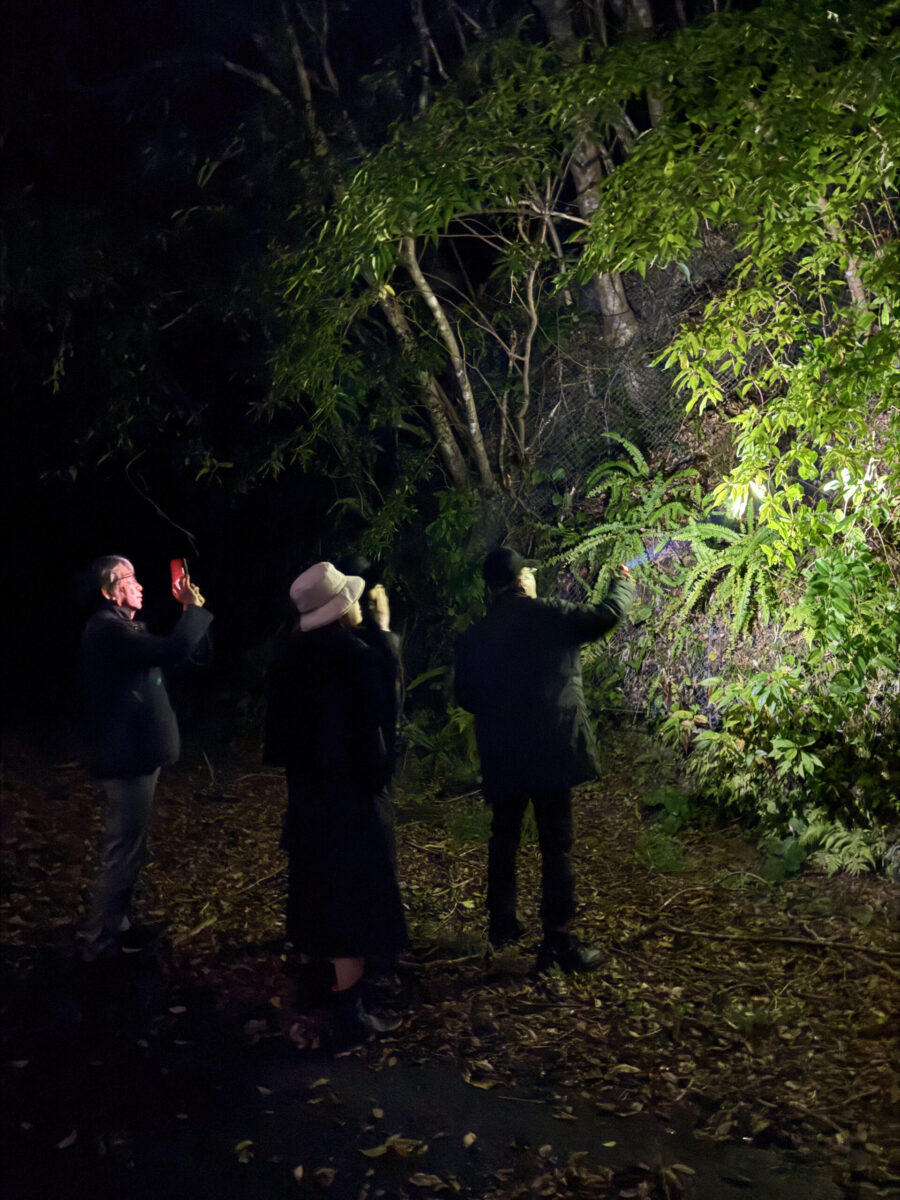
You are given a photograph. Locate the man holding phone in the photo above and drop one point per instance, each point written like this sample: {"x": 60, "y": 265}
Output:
{"x": 131, "y": 733}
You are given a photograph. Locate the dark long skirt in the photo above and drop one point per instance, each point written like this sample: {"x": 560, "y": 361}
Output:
{"x": 343, "y": 900}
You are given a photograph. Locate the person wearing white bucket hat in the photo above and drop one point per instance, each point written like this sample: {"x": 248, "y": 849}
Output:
{"x": 328, "y": 725}
{"x": 324, "y": 594}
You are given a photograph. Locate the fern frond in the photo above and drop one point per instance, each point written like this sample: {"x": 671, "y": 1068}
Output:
{"x": 764, "y": 601}
{"x": 696, "y": 582}
{"x": 744, "y": 592}
{"x": 637, "y": 458}
{"x": 672, "y": 514}
{"x": 609, "y": 475}
{"x": 706, "y": 531}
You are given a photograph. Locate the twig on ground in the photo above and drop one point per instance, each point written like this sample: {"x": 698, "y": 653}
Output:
{"x": 791, "y": 941}
{"x": 248, "y": 887}
{"x": 180, "y": 938}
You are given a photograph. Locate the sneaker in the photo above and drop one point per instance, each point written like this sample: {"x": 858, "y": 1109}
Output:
{"x": 569, "y": 959}
{"x": 375, "y": 1022}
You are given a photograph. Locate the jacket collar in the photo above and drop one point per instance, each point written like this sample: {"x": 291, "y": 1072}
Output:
{"x": 118, "y": 612}
{"x": 506, "y": 599}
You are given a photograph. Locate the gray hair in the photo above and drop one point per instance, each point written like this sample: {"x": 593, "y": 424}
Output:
{"x": 104, "y": 569}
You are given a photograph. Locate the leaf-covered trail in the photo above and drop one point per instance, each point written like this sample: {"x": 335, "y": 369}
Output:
{"x": 748, "y": 1014}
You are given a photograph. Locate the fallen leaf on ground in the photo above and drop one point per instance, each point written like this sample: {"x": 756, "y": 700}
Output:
{"x": 420, "y": 1179}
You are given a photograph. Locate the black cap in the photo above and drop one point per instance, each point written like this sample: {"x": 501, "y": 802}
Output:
{"x": 502, "y": 567}
{"x": 358, "y": 564}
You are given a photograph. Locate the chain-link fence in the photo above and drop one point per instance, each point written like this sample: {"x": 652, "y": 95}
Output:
{"x": 586, "y": 389}
{"x": 584, "y": 397}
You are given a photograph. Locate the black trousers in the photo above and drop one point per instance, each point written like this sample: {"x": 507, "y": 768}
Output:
{"x": 553, "y": 814}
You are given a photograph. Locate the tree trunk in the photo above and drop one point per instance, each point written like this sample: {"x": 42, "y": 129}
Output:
{"x": 851, "y": 274}
{"x": 557, "y": 16}
{"x": 639, "y": 17}
{"x": 448, "y": 337}
{"x": 620, "y": 325}
{"x": 446, "y": 443}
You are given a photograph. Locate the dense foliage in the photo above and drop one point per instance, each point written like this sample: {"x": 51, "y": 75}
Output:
{"x": 781, "y": 129}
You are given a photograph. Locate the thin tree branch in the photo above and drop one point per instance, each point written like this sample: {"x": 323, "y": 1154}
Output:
{"x": 159, "y": 511}
{"x": 260, "y": 80}
{"x": 809, "y": 943}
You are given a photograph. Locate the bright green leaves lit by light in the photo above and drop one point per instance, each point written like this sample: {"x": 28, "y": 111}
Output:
{"x": 782, "y": 129}
{"x": 780, "y": 133}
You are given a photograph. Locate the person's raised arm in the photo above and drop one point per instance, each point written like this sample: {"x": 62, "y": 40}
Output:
{"x": 587, "y": 622}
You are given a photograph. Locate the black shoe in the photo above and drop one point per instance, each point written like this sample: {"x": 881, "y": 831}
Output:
{"x": 136, "y": 938}
{"x": 503, "y": 931}
{"x": 351, "y": 1022}
{"x": 569, "y": 959}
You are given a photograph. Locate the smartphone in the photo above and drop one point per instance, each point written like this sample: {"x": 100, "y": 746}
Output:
{"x": 178, "y": 570}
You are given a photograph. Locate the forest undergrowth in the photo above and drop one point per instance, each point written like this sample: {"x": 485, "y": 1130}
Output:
{"x": 765, "y": 1011}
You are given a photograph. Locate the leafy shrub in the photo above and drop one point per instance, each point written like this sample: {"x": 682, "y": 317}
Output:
{"x": 661, "y": 852}
{"x": 454, "y": 565}
{"x": 817, "y": 732}
{"x": 675, "y": 805}
{"x": 471, "y": 822}
{"x": 443, "y": 742}
{"x": 813, "y": 731}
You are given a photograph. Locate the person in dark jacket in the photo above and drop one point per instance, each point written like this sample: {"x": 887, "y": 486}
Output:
{"x": 131, "y": 732}
{"x": 518, "y": 670}
{"x": 328, "y": 724}
{"x": 375, "y": 631}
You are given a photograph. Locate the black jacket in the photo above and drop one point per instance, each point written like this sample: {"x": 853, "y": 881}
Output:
{"x": 330, "y": 711}
{"x": 519, "y": 671}
{"x": 130, "y": 726}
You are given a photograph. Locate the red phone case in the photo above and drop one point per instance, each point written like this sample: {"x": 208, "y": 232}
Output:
{"x": 177, "y": 569}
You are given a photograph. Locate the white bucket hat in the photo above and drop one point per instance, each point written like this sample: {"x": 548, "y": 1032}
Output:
{"x": 322, "y": 594}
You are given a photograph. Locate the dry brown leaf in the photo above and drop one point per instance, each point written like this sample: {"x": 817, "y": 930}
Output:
{"x": 422, "y": 1180}
{"x": 244, "y": 1150}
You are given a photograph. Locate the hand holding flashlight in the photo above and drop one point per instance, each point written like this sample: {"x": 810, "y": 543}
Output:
{"x": 186, "y": 593}
{"x": 380, "y": 607}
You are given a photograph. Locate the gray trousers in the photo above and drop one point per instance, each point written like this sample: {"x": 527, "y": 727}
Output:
{"x": 126, "y": 819}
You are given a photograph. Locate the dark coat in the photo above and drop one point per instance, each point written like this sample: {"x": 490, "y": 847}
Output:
{"x": 390, "y": 673}
{"x": 130, "y": 728}
{"x": 329, "y": 722}
{"x": 519, "y": 671}
{"x": 329, "y": 709}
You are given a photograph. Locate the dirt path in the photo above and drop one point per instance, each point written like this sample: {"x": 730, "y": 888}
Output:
{"x": 741, "y": 1038}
